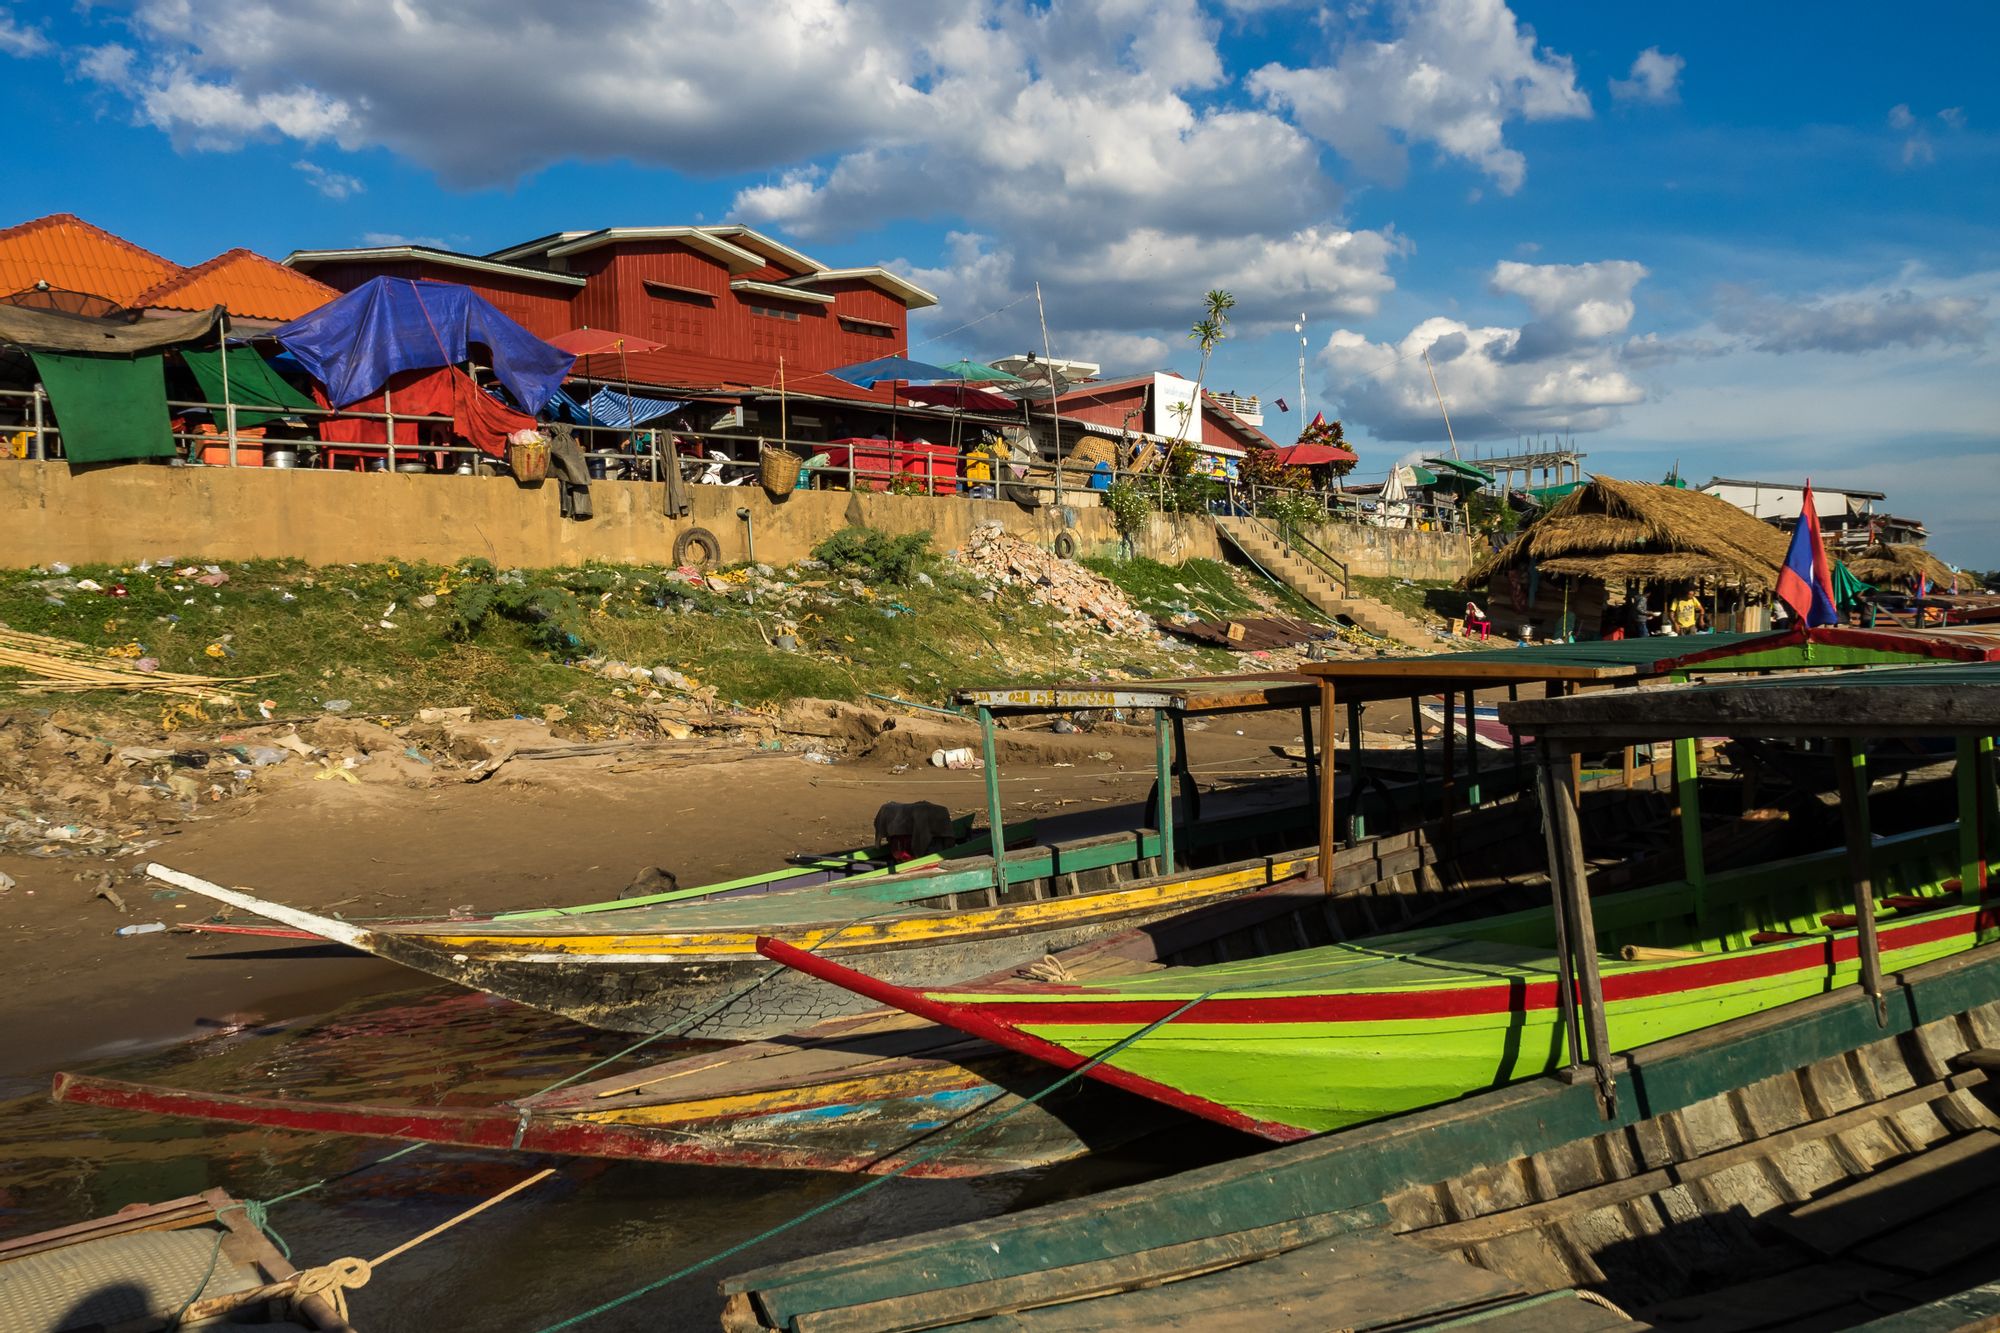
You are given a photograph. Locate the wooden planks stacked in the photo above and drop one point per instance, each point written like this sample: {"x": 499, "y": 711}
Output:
{"x": 63, "y": 665}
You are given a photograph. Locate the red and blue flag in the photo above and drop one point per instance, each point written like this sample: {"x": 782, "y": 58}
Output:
{"x": 1805, "y": 582}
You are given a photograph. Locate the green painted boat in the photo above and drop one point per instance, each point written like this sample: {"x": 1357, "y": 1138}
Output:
{"x": 1318, "y": 1039}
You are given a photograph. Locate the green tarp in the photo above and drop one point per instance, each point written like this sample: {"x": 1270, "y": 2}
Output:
{"x": 109, "y": 407}
{"x": 254, "y": 387}
{"x": 1847, "y": 589}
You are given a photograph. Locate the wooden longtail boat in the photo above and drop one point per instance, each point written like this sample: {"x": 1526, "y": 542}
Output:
{"x": 866, "y": 1092}
{"x": 136, "y": 1268}
{"x": 692, "y": 969}
{"x": 1318, "y": 1039}
{"x": 1334, "y": 1036}
{"x": 1802, "y": 1168}
{"x": 1688, "y": 1175}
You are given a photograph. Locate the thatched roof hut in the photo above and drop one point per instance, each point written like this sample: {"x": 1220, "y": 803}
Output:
{"x": 1888, "y": 565}
{"x": 1611, "y": 531}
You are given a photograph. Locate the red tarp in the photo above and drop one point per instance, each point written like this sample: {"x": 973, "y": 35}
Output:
{"x": 477, "y": 417}
{"x": 1312, "y": 455}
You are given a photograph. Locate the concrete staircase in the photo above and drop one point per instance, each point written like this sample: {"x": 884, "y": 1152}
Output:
{"x": 1260, "y": 542}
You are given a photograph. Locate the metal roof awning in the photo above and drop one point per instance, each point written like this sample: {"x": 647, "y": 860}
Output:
{"x": 1200, "y": 694}
{"x": 1957, "y": 699}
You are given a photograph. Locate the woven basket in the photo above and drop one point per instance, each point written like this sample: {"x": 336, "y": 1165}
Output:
{"x": 778, "y": 470}
{"x": 528, "y": 460}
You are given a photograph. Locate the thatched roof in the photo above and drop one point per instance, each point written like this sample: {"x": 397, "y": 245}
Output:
{"x": 1614, "y": 530}
{"x": 1887, "y": 565}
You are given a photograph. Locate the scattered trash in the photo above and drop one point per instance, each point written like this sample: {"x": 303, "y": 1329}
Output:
{"x": 998, "y": 557}
{"x": 817, "y": 757}
{"x": 150, "y": 928}
{"x": 337, "y": 705}
{"x": 7, "y": 881}
{"x": 961, "y": 757}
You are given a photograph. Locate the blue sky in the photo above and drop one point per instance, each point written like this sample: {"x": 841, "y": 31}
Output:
{"x": 1750, "y": 240}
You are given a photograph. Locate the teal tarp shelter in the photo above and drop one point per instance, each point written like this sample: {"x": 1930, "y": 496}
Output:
{"x": 253, "y": 388}
{"x": 1847, "y": 589}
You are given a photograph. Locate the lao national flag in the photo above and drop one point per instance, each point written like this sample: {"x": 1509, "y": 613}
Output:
{"x": 1805, "y": 583}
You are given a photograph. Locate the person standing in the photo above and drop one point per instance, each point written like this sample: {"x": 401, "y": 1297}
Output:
{"x": 1686, "y": 614}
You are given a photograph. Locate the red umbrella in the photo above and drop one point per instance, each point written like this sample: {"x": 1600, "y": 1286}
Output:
{"x": 1312, "y": 455}
{"x": 589, "y": 342}
{"x": 593, "y": 342}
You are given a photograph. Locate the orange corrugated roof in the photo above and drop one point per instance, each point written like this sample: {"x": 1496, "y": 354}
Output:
{"x": 243, "y": 282}
{"x": 65, "y": 251}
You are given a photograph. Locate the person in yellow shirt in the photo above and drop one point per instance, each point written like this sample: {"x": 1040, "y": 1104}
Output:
{"x": 979, "y": 471}
{"x": 1685, "y": 613}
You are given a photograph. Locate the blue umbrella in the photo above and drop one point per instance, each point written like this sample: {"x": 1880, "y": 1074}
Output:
{"x": 887, "y": 368}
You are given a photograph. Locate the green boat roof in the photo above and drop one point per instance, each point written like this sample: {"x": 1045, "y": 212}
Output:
{"x": 1932, "y": 699}
{"x": 1609, "y": 660}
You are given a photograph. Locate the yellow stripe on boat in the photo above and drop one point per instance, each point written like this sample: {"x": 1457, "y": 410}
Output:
{"x": 769, "y": 1101}
{"x": 866, "y": 933}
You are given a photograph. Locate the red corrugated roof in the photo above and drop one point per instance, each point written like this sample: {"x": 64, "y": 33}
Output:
{"x": 243, "y": 282}
{"x": 65, "y": 251}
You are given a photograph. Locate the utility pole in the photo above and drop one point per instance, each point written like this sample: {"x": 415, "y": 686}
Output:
{"x": 1440, "y": 397}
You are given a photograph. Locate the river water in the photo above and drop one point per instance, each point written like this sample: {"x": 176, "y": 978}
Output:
{"x": 593, "y": 1231}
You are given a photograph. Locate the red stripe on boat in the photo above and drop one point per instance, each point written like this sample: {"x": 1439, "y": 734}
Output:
{"x": 979, "y": 1024}
{"x": 1509, "y": 996}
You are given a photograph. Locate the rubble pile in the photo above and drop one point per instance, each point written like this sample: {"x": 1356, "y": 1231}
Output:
{"x": 996, "y": 557}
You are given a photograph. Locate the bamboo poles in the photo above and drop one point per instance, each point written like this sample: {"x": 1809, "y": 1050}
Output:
{"x": 63, "y": 665}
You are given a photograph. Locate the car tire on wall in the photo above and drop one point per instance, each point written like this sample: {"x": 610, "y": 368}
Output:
{"x": 697, "y": 547}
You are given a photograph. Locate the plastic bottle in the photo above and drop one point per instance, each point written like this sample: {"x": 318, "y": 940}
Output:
{"x": 150, "y": 928}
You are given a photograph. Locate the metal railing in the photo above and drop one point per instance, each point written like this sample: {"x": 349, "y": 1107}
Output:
{"x": 722, "y": 458}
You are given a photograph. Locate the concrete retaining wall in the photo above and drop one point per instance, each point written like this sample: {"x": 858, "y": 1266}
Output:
{"x": 1398, "y": 552}
{"x": 123, "y": 513}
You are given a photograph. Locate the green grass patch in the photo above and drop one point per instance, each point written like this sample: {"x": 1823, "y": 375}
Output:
{"x": 1209, "y": 589}
{"x": 1419, "y": 599}
{"x": 395, "y": 637}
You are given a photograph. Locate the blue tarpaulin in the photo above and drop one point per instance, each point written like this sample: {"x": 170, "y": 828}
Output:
{"x": 353, "y": 344}
{"x": 610, "y": 407}
{"x": 607, "y": 407}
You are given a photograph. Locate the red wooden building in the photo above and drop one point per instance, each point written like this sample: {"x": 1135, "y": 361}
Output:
{"x": 1138, "y": 408}
{"x": 734, "y": 309}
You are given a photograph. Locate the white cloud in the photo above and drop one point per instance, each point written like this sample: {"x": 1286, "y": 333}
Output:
{"x": 484, "y": 93}
{"x": 1656, "y": 78}
{"x": 1573, "y": 303}
{"x": 399, "y": 238}
{"x": 1562, "y": 370}
{"x": 1453, "y": 75}
{"x": 16, "y": 40}
{"x": 1853, "y": 323}
{"x": 1490, "y": 392}
{"x": 1900, "y": 117}
{"x": 1953, "y": 116}
{"x": 332, "y": 184}
{"x": 1650, "y": 349}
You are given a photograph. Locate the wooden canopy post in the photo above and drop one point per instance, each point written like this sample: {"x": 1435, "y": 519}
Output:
{"x": 1357, "y": 823}
{"x": 1687, "y": 809}
{"x": 1971, "y": 857}
{"x": 995, "y": 829}
{"x": 1189, "y": 792}
{"x": 1520, "y": 765}
{"x": 1417, "y": 735}
{"x": 1989, "y": 802}
{"x": 1849, "y": 768}
{"x": 1313, "y": 758}
{"x": 1327, "y": 784}
{"x": 1577, "y": 929}
{"x": 1448, "y": 777}
{"x": 1163, "y": 753}
{"x": 1472, "y": 748}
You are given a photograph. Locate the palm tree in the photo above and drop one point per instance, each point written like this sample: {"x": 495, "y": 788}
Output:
{"x": 1209, "y": 330}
